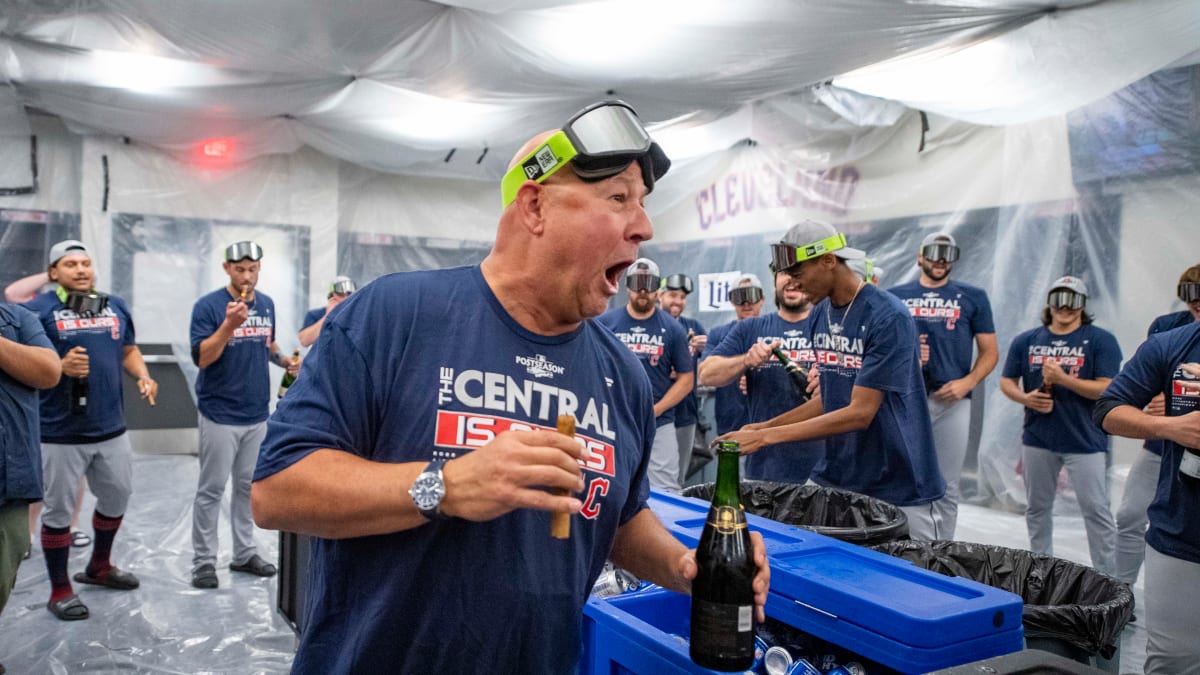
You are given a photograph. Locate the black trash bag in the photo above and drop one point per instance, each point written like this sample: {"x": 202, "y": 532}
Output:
{"x": 1063, "y": 600}
{"x": 841, "y": 514}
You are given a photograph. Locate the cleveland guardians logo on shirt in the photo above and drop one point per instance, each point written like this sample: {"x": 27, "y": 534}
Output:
{"x": 932, "y": 307}
{"x": 68, "y": 322}
{"x": 496, "y": 402}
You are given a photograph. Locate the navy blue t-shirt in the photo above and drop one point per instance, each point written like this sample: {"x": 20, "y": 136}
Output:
{"x": 659, "y": 343}
{"x": 893, "y": 458}
{"x": 398, "y": 376}
{"x": 771, "y": 394}
{"x": 731, "y": 408}
{"x": 20, "y": 452}
{"x": 312, "y": 316}
{"x": 688, "y": 410}
{"x": 1087, "y": 353}
{"x": 105, "y": 338}
{"x": 234, "y": 389}
{"x": 1162, "y": 324}
{"x": 951, "y": 316}
{"x": 1154, "y": 369}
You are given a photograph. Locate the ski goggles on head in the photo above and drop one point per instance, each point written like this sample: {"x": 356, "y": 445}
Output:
{"x": 785, "y": 255}
{"x": 678, "y": 282}
{"x": 242, "y": 250}
{"x": 642, "y": 282}
{"x": 342, "y": 287}
{"x": 600, "y": 141}
{"x": 1188, "y": 291}
{"x": 745, "y": 295}
{"x": 940, "y": 253}
{"x": 1065, "y": 298}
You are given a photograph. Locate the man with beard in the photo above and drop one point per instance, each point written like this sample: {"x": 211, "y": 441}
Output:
{"x": 871, "y": 412}
{"x": 769, "y": 389}
{"x": 952, "y": 318}
{"x": 1142, "y": 481}
{"x": 661, "y": 345}
{"x": 730, "y": 405}
{"x": 673, "y": 299}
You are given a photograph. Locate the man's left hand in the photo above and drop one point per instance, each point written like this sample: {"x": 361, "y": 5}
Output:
{"x": 293, "y": 364}
{"x": 1052, "y": 373}
{"x": 148, "y": 388}
{"x": 954, "y": 390}
{"x": 762, "y": 579}
{"x": 698, "y": 343}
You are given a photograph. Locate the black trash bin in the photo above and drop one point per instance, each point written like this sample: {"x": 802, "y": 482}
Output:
{"x": 1070, "y": 609}
{"x": 841, "y": 514}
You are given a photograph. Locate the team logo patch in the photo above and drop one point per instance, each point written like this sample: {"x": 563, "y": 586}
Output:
{"x": 538, "y": 366}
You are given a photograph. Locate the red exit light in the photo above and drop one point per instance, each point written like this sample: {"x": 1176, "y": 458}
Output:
{"x": 215, "y": 150}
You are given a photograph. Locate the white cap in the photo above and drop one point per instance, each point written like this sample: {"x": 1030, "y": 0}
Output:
{"x": 64, "y": 248}
{"x": 938, "y": 238}
{"x": 808, "y": 232}
{"x": 753, "y": 279}
{"x": 642, "y": 266}
{"x": 1070, "y": 283}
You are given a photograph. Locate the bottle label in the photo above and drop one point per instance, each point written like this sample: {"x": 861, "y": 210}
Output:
{"x": 714, "y": 621}
{"x": 726, "y": 519}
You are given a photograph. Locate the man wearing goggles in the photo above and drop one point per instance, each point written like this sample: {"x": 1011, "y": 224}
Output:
{"x": 1142, "y": 481}
{"x": 83, "y": 422}
{"x": 661, "y": 345}
{"x": 233, "y": 338}
{"x": 744, "y": 353}
{"x": 417, "y": 442}
{"x": 871, "y": 411}
{"x": 339, "y": 289}
{"x": 729, "y": 401}
{"x": 1057, "y": 371}
{"x": 958, "y": 351}
{"x": 672, "y": 297}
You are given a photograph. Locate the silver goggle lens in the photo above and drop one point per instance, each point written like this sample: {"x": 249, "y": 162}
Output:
{"x": 344, "y": 287}
{"x": 642, "y": 282}
{"x": 1188, "y": 291}
{"x": 745, "y": 295}
{"x": 607, "y": 129}
{"x": 1065, "y": 298}
{"x": 940, "y": 253}
{"x": 242, "y": 250}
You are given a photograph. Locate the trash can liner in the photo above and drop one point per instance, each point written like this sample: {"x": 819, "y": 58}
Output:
{"x": 841, "y": 514}
{"x": 1063, "y": 600}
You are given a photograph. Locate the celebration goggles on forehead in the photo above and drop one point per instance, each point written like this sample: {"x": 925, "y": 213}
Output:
{"x": 1062, "y": 297}
{"x": 600, "y": 141}
{"x": 940, "y": 252}
{"x": 785, "y": 255}
{"x": 1188, "y": 291}
{"x": 678, "y": 282}
{"x": 242, "y": 250}
{"x": 342, "y": 287}
{"x": 642, "y": 282}
{"x": 84, "y": 303}
{"x": 745, "y": 295}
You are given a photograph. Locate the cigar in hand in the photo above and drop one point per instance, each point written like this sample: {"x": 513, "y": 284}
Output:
{"x": 560, "y": 523}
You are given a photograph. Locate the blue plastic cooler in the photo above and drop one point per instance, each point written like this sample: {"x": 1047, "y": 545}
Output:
{"x": 882, "y": 608}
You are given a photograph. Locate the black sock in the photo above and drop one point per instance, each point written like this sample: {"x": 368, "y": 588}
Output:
{"x": 106, "y": 530}
{"x": 56, "y": 547}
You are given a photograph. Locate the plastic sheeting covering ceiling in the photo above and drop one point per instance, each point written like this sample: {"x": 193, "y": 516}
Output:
{"x": 455, "y": 87}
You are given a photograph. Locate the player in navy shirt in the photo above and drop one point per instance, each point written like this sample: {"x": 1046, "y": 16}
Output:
{"x": 28, "y": 362}
{"x": 672, "y": 297}
{"x": 1167, "y": 364}
{"x": 952, "y": 319}
{"x": 339, "y": 289}
{"x": 1076, "y": 360}
{"x": 84, "y": 434}
{"x": 746, "y": 353}
{"x": 233, "y": 338}
{"x": 731, "y": 407}
{"x": 421, "y": 449}
{"x": 661, "y": 345}
{"x": 871, "y": 411}
{"x": 1142, "y": 479}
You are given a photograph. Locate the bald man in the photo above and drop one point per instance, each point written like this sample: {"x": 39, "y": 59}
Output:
{"x": 421, "y": 450}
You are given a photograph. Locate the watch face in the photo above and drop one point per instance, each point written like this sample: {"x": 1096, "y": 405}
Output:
{"x": 427, "y": 491}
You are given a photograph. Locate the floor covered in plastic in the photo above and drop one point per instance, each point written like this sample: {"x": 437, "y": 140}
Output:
{"x": 166, "y": 626}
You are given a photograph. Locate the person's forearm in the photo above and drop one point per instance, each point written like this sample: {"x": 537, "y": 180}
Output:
{"x": 1087, "y": 388}
{"x": 648, "y": 550}
{"x": 135, "y": 363}
{"x": 985, "y": 362}
{"x": 1010, "y": 388}
{"x": 681, "y": 388}
{"x": 718, "y": 371}
{"x": 213, "y": 346}
{"x": 1130, "y": 422}
{"x": 32, "y": 366}
{"x": 309, "y": 335}
{"x": 334, "y": 495}
{"x": 850, "y": 418}
{"x": 805, "y": 411}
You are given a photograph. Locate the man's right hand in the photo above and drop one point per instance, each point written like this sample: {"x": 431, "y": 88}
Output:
{"x": 1185, "y": 429}
{"x": 514, "y": 471}
{"x": 236, "y": 314}
{"x": 1039, "y": 401}
{"x": 758, "y": 354}
{"x": 75, "y": 363}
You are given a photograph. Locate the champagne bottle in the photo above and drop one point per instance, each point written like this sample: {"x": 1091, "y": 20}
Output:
{"x": 79, "y": 396}
{"x": 288, "y": 378}
{"x": 723, "y": 590}
{"x": 795, "y": 372}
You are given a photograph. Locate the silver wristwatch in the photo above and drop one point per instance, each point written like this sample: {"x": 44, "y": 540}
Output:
{"x": 428, "y": 490}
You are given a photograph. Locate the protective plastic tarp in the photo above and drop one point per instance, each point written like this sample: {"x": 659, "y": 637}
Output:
{"x": 841, "y": 514}
{"x": 1063, "y": 600}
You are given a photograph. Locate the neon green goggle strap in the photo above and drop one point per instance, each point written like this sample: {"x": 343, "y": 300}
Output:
{"x": 538, "y": 165}
{"x": 784, "y": 256}
{"x": 870, "y": 270}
